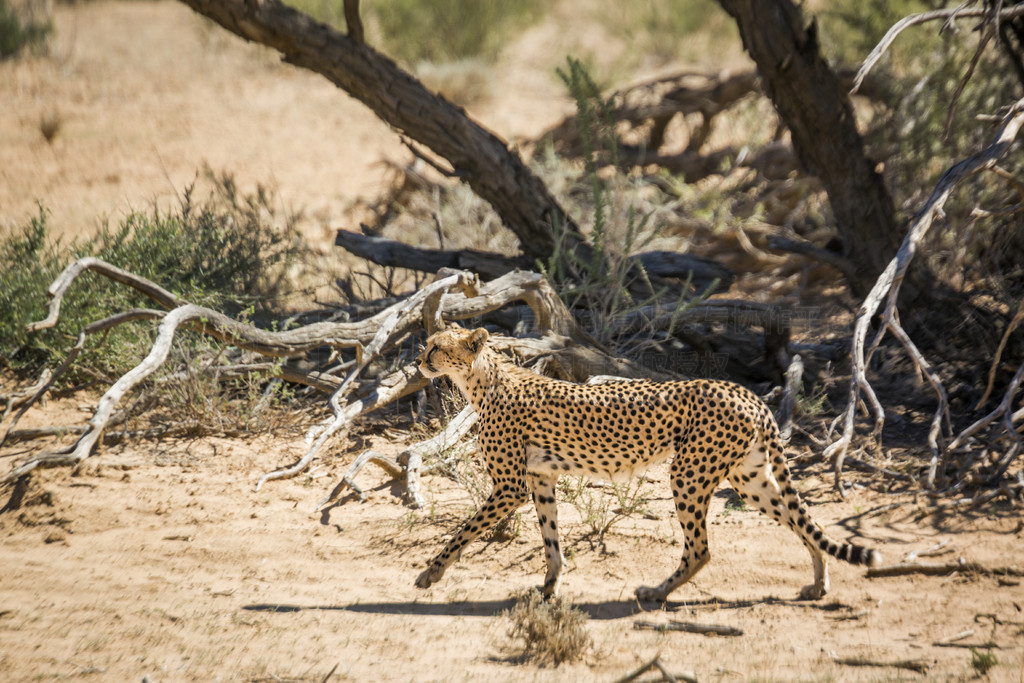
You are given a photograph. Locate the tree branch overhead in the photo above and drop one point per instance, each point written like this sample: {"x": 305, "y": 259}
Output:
{"x": 477, "y": 156}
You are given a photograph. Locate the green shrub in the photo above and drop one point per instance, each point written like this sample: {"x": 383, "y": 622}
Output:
{"x": 605, "y": 285}
{"x": 225, "y": 253}
{"x": 17, "y": 32}
{"x": 414, "y": 31}
{"x": 982, "y": 662}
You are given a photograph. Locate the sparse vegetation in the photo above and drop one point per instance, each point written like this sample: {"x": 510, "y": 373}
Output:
{"x": 437, "y": 32}
{"x": 601, "y": 507}
{"x": 548, "y": 632}
{"x": 22, "y": 29}
{"x": 227, "y": 251}
{"x": 734, "y": 503}
{"x": 135, "y": 521}
{"x": 982, "y": 662}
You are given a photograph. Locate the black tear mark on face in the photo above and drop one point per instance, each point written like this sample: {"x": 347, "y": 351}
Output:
{"x": 427, "y": 360}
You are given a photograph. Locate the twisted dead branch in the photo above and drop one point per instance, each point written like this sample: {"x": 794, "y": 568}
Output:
{"x": 454, "y": 295}
{"x": 408, "y": 463}
{"x": 948, "y": 15}
{"x": 887, "y": 289}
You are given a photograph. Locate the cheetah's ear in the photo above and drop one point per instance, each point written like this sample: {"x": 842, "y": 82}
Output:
{"x": 477, "y": 339}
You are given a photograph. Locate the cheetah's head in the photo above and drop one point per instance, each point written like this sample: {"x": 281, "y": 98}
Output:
{"x": 452, "y": 351}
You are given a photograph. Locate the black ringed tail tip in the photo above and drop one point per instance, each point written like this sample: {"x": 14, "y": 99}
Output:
{"x": 855, "y": 554}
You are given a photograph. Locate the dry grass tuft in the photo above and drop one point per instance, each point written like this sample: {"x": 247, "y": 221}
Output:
{"x": 548, "y": 632}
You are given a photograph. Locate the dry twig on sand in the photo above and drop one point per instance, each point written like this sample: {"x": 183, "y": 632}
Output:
{"x": 688, "y": 627}
{"x": 917, "y": 665}
{"x": 944, "y": 569}
{"x": 666, "y": 675}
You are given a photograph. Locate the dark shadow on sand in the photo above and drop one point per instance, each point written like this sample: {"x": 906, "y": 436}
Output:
{"x": 598, "y": 611}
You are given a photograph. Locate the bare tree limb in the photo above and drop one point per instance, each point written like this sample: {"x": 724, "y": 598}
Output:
{"x": 1017, "y": 318}
{"x": 408, "y": 463}
{"x": 932, "y": 569}
{"x": 355, "y": 27}
{"x": 688, "y": 676}
{"x": 924, "y": 17}
{"x": 90, "y": 329}
{"x": 82, "y": 448}
{"x": 805, "y": 248}
{"x": 407, "y": 381}
{"x": 887, "y": 289}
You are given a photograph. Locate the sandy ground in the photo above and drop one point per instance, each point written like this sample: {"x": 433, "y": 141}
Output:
{"x": 158, "y": 559}
{"x": 161, "y": 560}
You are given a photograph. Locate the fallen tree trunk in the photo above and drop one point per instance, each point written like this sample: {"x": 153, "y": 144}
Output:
{"x": 700, "y": 273}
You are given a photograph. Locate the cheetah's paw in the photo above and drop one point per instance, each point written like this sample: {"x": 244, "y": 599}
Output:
{"x": 431, "y": 576}
{"x": 650, "y": 594}
{"x": 814, "y": 591}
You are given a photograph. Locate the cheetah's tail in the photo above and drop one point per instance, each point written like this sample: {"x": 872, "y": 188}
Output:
{"x": 854, "y": 554}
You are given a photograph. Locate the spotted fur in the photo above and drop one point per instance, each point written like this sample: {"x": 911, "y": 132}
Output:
{"x": 534, "y": 429}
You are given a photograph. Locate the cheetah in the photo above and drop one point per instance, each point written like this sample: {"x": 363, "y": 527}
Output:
{"x": 534, "y": 429}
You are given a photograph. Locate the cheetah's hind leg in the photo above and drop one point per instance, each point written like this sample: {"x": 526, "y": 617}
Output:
{"x": 691, "y": 494}
{"x": 754, "y": 479}
{"x": 543, "y": 489}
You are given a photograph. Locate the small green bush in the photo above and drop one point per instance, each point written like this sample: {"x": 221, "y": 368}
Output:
{"x": 17, "y": 32}
{"x": 225, "y": 253}
{"x": 413, "y": 31}
{"x": 982, "y": 662}
{"x": 604, "y": 285}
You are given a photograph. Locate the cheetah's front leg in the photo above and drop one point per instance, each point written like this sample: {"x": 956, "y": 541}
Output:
{"x": 500, "y": 504}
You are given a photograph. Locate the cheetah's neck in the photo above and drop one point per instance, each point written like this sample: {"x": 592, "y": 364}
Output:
{"x": 491, "y": 373}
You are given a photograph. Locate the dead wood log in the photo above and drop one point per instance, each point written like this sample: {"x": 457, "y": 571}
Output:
{"x": 700, "y": 274}
{"x": 428, "y": 308}
{"x": 688, "y": 627}
{"x": 388, "y": 252}
{"x": 476, "y": 156}
{"x": 887, "y": 289}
